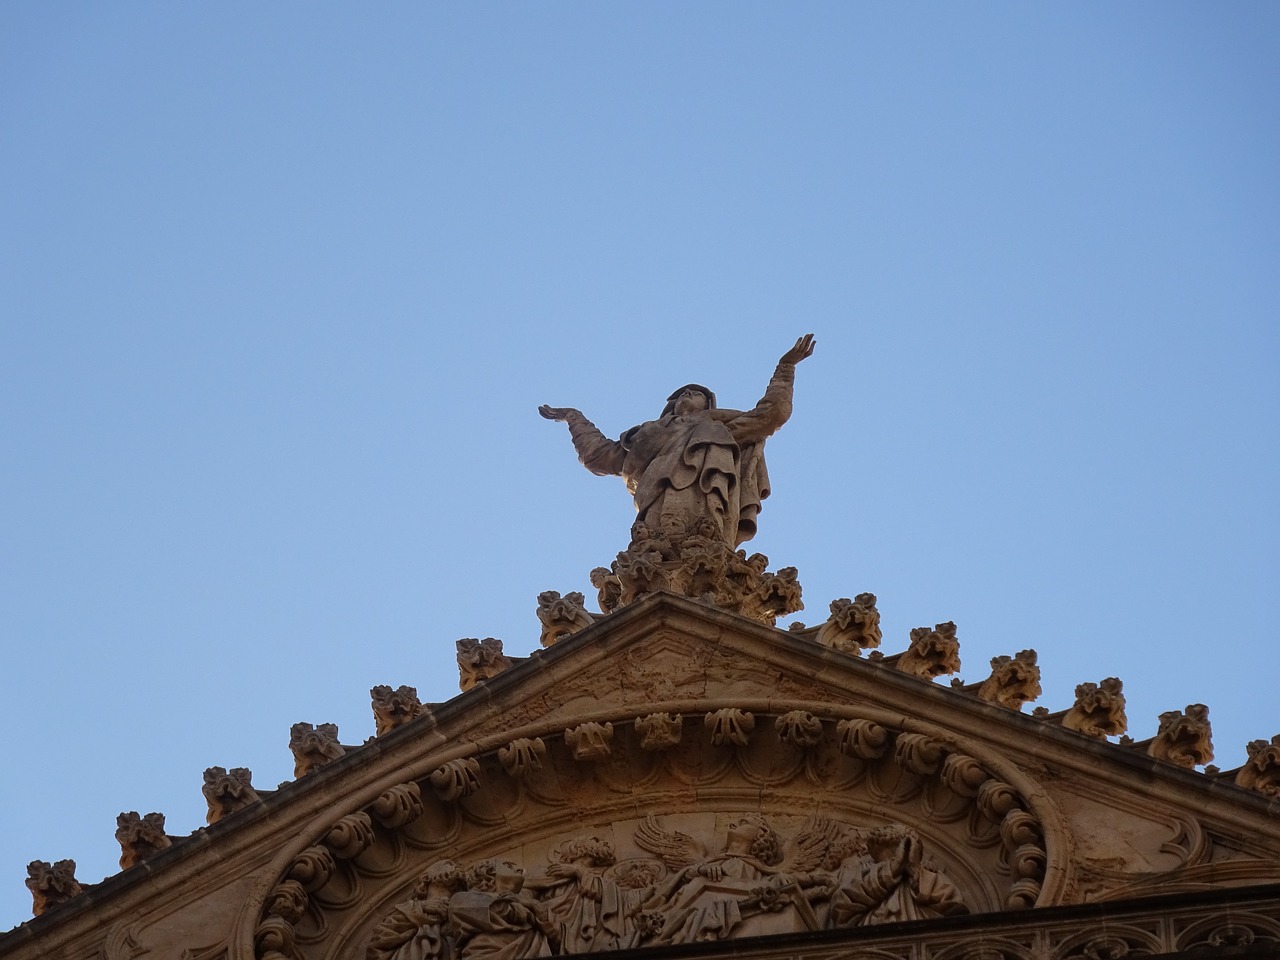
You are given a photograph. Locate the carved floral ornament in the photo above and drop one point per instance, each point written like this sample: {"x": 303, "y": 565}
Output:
{"x": 936, "y": 832}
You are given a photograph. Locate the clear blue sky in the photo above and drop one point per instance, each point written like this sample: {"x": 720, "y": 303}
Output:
{"x": 282, "y": 285}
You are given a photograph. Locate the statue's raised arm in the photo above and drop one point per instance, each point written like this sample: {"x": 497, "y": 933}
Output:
{"x": 801, "y": 351}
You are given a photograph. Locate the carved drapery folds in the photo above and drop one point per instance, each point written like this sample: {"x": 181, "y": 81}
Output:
{"x": 1262, "y": 770}
{"x": 1014, "y": 680}
{"x": 226, "y": 791}
{"x": 1098, "y": 710}
{"x": 140, "y": 837}
{"x": 854, "y": 625}
{"x": 932, "y": 653}
{"x": 1184, "y": 737}
{"x": 480, "y": 660}
{"x": 313, "y": 747}
{"x": 693, "y": 561}
{"x": 561, "y": 616}
{"x": 51, "y": 884}
{"x": 393, "y": 708}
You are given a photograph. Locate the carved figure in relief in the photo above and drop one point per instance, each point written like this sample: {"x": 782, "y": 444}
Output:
{"x": 695, "y": 460}
{"x": 416, "y": 929}
{"x": 1098, "y": 710}
{"x": 1184, "y": 738}
{"x": 1014, "y": 680}
{"x": 392, "y": 708}
{"x": 226, "y": 791}
{"x": 51, "y": 884}
{"x": 609, "y": 589}
{"x": 140, "y": 837}
{"x": 883, "y": 878}
{"x": 561, "y": 616}
{"x": 932, "y": 652}
{"x": 479, "y": 660}
{"x": 593, "y": 911}
{"x": 854, "y": 625}
{"x": 492, "y": 919}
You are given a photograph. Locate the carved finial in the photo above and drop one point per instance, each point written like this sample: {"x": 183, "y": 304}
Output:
{"x": 140, "y": 837}
{"x": 1098, "y": 710}
{"x": 227, "y": 791}
{"x": 393, "y": 708}
{"x": 1261, "y": 771}
{"x": 561, "y": 616}
{"x": 479, "y": 660}
{"x": 932, "y": 652}
{"x": 1184, "y": 738}
{"x": 51, "y": 884}
{"x": 313, "y": 747}
{"x": 854, "y": 625}
{"x": 609, "y": 589}
{"x": 1014, "y": 680}
{"x": 590, "y": 740}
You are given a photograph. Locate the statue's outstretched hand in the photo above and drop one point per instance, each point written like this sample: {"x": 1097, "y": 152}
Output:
{"x": 556, "y": 413}
{"x": 802, "y": 349}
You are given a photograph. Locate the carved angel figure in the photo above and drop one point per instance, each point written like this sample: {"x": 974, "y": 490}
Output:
{"x": 695, "y": 460}
{"x": 711, "y": 897}
{"x": 415, "y": 929}
{"x": 592, "y": 911}
{"x": 882, "y": 878}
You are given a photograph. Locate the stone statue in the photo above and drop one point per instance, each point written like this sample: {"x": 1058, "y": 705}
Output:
{"x": 696, "y": 460}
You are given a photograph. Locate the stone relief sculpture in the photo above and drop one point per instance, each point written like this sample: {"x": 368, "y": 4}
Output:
{"x": 1098, "y": 710}
{"x": 391, "y": 708}
{"x": 824, "y": 876}
{"x": 51, "y": 884}
{"x": 479, "y": 660}
{"x": 226, "y": 791}
{"x": 1014, "y": 680}
{"x": 1184, "y": 737}
{"x": 854, "y": 625}
{"x": 932, "y": 652}
{"x": 561, "y": 616}
{"x": 140, "y": 837}
{"x": 313, "y": 746}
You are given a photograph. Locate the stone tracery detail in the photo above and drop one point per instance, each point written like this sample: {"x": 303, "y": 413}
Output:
{"x": 480, "y": 660}
{"x": 314, "y": 747}
{"x": 932, "y": 653}
{"x": 854, "y": 625}
{"x": 394, "y": 708}
{"x": 1184, "y": 737}
{"x": 1014, "y": 680}
{"x": 227, "y": 791}
{"x": 140, "y": 837}
{"x": 1098, "y": 710}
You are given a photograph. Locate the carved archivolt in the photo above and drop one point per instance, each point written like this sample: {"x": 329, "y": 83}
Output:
{"x": 911, "y": 827}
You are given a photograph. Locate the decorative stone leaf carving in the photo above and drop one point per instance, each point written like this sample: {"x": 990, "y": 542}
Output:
{"x": 1261, "y": 772}
{"x": 480, "y": 660}
{"x": 963, "y": 775}
{"x": 350, "y": 836}
{"x": 393, "y": 708}
{"x": 932, "y": 653}
{"x": 312, "y": 868}
{"x": 1019, "y": 828}
{"x": 400, "y": 805}
{"x": 996, "y": 799}
{"x": 730, "y": 726}
{"x": 1014, "y": 680}
{"x": 313, "y": 747}
{"x": 274, "y": 939}
{"x": 456, "y": 779}
{"x": 561, "y": 616}
{"x": 1184, "y": 737}
{"x": 287, "y": 900}
{"x": 659, "y": 731}
{"x": 864, "y": 739}
{"x": 919, "y": 753}
{"x": 800, "y": 728}
{"x": 226, "y": 791}
{"x": 590, "y": 740}
{"x": 1098, "y": 710}
{"x": 854, "y": 625}
{"x": 51, "y": 884}
{"x": 140, "y": 837}
{"x": 522, "y": 757}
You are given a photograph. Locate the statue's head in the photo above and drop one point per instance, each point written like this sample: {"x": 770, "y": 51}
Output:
{"x": 690, "y": 398}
